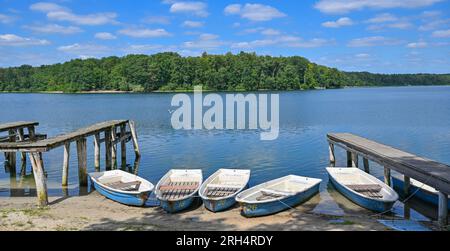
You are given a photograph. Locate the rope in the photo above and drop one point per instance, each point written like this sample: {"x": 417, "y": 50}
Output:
{"x": 371, "y": 216}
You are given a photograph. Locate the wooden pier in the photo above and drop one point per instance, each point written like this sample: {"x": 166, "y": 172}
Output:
{"x": 114, "y": 132}
{"x": 429, "y": 172}
{"x": 17, "y": 133}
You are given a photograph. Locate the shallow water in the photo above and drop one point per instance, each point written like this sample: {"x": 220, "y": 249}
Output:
{"x": 415, "y": 119}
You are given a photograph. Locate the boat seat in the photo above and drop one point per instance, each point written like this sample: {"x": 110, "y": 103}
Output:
{"x": 371, "y": 190}
{"x": 268, "y": 194}
{"x": 175, "y": 190}
{"x": 125, "y": 186}
{"x": 217, "y": 191}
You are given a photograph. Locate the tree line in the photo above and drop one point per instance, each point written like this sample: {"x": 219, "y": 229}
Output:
{"x": 171, "y": 72}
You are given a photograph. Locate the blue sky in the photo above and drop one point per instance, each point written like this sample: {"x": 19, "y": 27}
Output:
{"x": 384, "y": 36}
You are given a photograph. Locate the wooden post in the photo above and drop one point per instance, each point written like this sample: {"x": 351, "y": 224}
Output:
{"x": 355, "y": 160}
{"x": 82, "y": 162}
{"x": 366, "y": 165}
{"x": 332, "y": 156}
{"x": 39, "y": 177}
{"x": 12, "y": 155}
{"x": 387, "y": 176}
{"x": 114, "y": 147}
{"x": 135, "y": 139}
{"x": 349, "y": 159}
{"x": 406, "y": 211}
{"x": 443, "y": 209}
{"x": 123, "y": 146}
{"x": 406, "y": 185}
{"x": 108, "y": 159}
{"x": 22, "y": 154}
{"x": 97, "y": 152}
{"x": 65, "y": 174}
{"x": 31, "y": 133}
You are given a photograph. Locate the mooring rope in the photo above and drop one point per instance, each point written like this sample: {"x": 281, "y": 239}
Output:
{"x": 370, "y": 216}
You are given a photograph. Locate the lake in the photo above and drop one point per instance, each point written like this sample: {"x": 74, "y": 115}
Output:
{"x": 414, "y": 119}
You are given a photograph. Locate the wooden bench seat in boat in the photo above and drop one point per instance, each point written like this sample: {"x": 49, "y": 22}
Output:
{"x": 371, "y": 190}
{"x": 175, "y": 190}
{"x": 124, "y": 186}
{"x": 268, "y": 194}
{"x": 217, "y": 191}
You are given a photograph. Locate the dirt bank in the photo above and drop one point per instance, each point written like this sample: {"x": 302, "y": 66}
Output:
{"x": 94, "y": 212}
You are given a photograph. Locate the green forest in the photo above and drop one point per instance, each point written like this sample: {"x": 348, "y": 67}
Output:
{"x": 172, "y": 72}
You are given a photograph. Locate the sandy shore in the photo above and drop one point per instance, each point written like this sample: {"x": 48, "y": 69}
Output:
{"x": 94, "y": 212}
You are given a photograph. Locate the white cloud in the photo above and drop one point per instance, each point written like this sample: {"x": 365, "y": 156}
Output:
{"x": 144, "y": 33}
{"x": 156, "y": 20}
{"x": 6, "y": 19}
{"x": 192, "y": 24}
{"x": 60, "y": 13}
{"x": 14, "y": 40}
{"x": 104, "y": 36}
{"x": 205, "y": 41}
{"x": 147, "y": 48}
{"x": 430, "y": 14}
{"x": 283, "y": 41}
{"x": 362, "y": 56}
{"x": 387, "y": 20}
{"x": 54, "y": 29}
{"x": 419, "y": 44}
{"x": 270, "y": 32}
{"x": 441, "y": 33}
{"x": 382, "y": 18}
{"x": 91, "y": 19}
{"x": 343, "y": 21}
{"x": 396, "y": 25}
{"x": 47, "y": 7}
{"x": 433, "y": 24}
{"x": 254, "y": 12}
{"x": 195, "y": 8}
{"x": 84, "y": 50}
{"x": 233, "y": 9}
{"x": 372, "y": 41}
{"x": 346, "y": 6}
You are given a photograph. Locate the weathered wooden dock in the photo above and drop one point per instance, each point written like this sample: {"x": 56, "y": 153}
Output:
{"x": 429, "y": 172}
{"x": 17, "y": 133}
{"x": 115, "y": 132}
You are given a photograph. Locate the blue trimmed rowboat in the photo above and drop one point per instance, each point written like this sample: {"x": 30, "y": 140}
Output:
{"x": 277, "y": 195}
{"x": 218, "y": 192}
{"x": 363, "y": 188}
{"x": 177, "y": 190}
{"x": 420, "y": 190}
{"x": 122, "y": 187}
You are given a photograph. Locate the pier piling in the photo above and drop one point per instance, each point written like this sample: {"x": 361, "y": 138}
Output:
{"x": 97, "y": 152}
{"x": 65, "y": 173}
{"x": 82, "y": 162}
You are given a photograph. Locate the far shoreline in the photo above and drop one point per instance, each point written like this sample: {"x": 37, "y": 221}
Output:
{"x": 206, "y": 90}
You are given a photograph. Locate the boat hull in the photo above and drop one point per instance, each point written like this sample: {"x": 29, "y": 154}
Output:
{"x": 273, "y": 207}
{"x": 421, "y": 194}
{"x": 176, "y": 206}
{"x": 373, "y": 205}
{"x": 219, "y": 205}
{"x": 126, "y": 199}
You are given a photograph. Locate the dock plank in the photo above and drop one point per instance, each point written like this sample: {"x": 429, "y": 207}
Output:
{"x": 419, "y": 168}
{"x": 17, "y": 125}
{"x": 53, "y": 142}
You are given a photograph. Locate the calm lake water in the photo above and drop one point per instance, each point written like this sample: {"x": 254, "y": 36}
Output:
{"x": 415, "y": 119}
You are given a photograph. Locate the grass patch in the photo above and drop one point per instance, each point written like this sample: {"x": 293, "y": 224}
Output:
{"x": 26, "y": 211}
{"x": 341, "y": 222}
{"x": 64, "y": 228}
